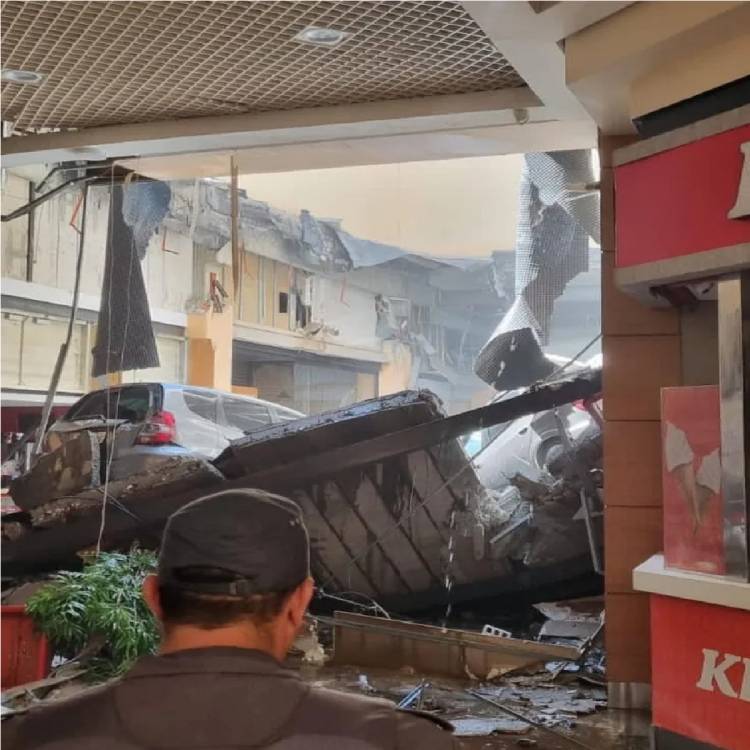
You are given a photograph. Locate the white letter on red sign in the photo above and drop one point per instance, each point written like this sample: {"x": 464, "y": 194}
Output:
{"x": 745, "y": 689}
{"x": 716, "y": 673}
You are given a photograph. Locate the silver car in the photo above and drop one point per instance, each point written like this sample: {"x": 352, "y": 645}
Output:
{"x": 151, "y": 422}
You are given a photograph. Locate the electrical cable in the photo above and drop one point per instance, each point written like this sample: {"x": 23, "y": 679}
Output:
{"x": 341, "y": 597}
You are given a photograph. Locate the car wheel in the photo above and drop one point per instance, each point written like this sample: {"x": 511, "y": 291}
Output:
{"x": 547, "y": 453}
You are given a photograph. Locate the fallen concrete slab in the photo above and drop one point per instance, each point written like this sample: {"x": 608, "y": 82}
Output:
{"x": 379, "y": 642}
{"x": 73, "y": 466}
{"x": 393, "y": 504}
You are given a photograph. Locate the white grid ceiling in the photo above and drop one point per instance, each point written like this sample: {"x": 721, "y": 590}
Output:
{"x": 125, "y": 62}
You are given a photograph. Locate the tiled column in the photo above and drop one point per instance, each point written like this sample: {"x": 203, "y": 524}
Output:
{"x": 641, "y": 348}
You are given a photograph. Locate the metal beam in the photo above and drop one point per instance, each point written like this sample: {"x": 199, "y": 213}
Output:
{"x": 426, "y": 434}
{"x": 233, "y": 133}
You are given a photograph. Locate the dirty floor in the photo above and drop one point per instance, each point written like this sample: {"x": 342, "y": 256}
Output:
{"x": 566, "y": 707}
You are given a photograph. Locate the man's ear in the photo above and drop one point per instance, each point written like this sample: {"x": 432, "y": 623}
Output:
{"x": 151, "y": 595}
{"x": 299, "y": 601}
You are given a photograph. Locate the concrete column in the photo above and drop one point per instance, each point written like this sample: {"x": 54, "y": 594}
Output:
{"x": 641, "y": 348}
{"x": 210, "y": 349}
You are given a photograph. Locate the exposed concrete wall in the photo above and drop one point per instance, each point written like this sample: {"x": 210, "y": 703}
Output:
{"x": 641, "y": 348}
{"x": 348, "y": 309}
{"x": 167, "y": 267}
{"x": 15, "y": 193}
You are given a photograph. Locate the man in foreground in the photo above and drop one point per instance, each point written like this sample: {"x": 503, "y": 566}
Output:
{"x": 231, "y": 591}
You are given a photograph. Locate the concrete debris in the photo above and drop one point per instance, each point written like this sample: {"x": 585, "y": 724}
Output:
{"x": 587, "y": 609}
{"x": 498, "y": 632}
{"x": 21, "y": 697}
{"x": 364, "y": 684}
{"x": 485, "y": 727}
{"x": 307, "y": 646}
{"x": 376, "y": 642}
{"x": 393, "y": 505}
{"x": 568, "y": 629}
{"x": 73, "y": 466}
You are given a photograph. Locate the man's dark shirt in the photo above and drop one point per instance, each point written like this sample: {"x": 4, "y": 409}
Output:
{"x": 220, "y": 698}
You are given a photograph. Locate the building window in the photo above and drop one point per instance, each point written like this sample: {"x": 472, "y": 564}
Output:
{"x": 171, "y": 367}
{"x": 284, "y": 303}
{"x": 30, "y": 346}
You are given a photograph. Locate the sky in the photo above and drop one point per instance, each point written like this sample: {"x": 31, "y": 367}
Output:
{"x": 452, "y": 208}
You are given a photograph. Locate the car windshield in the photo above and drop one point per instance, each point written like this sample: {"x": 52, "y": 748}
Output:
{"x": 130, "y": 404}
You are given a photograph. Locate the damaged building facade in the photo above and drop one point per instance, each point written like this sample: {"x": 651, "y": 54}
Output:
{"x": 319, "y": 319}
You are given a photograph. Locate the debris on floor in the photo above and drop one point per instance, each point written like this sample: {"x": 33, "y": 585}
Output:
{"x": 528, "y": 702}
{"x": 575, "y": 619}
{"x": 62, "y": 683}
{"x": 485, "y": 727}
{"x": 380, "y": 642}
{"x": 307, "y": 646}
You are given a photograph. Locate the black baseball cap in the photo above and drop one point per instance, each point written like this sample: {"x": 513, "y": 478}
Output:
{"x": 251, "y": 541}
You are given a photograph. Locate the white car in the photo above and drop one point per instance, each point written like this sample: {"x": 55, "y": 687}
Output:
{"x": 528, "y": 444}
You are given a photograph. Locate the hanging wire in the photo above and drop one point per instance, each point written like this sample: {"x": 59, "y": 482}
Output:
{"x": 342, "y": 596}
{"x": 111, "y": 439}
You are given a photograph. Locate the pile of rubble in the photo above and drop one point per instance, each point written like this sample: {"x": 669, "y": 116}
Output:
{"x": 394, "y": 506}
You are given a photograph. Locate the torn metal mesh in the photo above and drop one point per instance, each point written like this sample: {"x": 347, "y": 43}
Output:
{"x": 557, "y": 216}
{"x": 124, "y": 336}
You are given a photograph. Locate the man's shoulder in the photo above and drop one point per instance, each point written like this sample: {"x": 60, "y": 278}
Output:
{"x": 67, "y": 717}
{"x": 362, "y": 716}
{"x": 343, "y": 704}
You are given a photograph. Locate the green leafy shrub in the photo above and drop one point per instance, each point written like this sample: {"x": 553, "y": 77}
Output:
{"x": 100, "y": 604}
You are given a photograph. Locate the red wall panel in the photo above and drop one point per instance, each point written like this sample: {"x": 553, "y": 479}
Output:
{"x": 676, "y": 202}
{"x": 680, "y": 632}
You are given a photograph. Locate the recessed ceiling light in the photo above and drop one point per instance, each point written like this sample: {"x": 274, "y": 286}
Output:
{"x": 22, "y": 76}
{"x": 321, "y": 36}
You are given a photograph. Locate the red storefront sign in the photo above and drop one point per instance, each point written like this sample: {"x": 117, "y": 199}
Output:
{"x": 676, "y": 202}
{"x": 691, "y": 478}
{"x": 700, "y": 656}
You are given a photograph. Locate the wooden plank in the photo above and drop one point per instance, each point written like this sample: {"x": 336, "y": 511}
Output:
{"x": 378, "y": 642}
